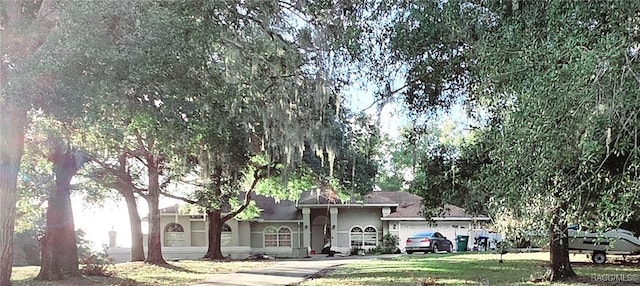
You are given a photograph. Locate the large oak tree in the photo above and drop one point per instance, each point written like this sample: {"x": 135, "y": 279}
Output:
{"x": 25, "y": 26}
{"x": 552, "y": 84}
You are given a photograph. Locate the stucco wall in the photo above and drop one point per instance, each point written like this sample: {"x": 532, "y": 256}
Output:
{"x": 357, "y": 216}
{"x": 244, "y": 233}
{"x": 257, "y": 233}
{"x": 196, "y": 236}
{"x": 182, "y": 220}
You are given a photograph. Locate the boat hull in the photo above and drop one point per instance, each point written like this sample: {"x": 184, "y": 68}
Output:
{"x": 612, "y": 242}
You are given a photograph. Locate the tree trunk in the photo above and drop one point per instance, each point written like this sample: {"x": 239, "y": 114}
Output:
{"x": 214, "y": 218}
{"x": 59, "y": 245}
{"x": 560, "y": 266}
{"x": 18, "y": 42}
{"x": 214, "y": 250}
{"x": 137, "y": 247}
{"x": 11, "y": 148}
{"x": 154, "y": 255}
{"x": 51, "y": 258}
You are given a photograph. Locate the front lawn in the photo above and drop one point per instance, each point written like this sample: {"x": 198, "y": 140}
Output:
{"x": 137, "y": 273}
{"x": 471, "y": 269}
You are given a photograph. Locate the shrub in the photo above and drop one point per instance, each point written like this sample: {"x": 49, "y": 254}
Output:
{"x": 355, "y": 250}
{"x": 97, "y": 264}
{"x": 389, "y": 245}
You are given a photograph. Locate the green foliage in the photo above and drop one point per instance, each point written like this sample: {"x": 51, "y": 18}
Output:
{"x": 93, "y": 263}
{"x": 560, "y": 139}
{"x": 289, "y": 188}
{"x": 434, "y": 161}
{"x": 97, "y": 264}
{"x": 26, "y": 247}
{"x": 389, "y": 245}
{"x": 356, "y": 250}
{"x": 552, "y": 85}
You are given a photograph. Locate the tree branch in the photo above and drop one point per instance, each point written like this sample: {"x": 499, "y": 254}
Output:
{"x": 247, "y": 196}
{"x": 391, "y": 93}
{"x": 180, "y": 198}
{"x": 123, "y": 177}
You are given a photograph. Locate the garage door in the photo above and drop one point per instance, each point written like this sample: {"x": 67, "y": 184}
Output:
{"x": 409, "y": 228}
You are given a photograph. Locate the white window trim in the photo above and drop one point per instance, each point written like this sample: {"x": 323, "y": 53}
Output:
{"x": 362, "y": 236}
{"x": 169, "y": 236}
{"x": 364, "y": 232}
{"x": 277, "y": 234}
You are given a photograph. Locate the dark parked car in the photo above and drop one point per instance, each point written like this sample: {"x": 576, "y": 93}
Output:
{"x": 428, "y": 242}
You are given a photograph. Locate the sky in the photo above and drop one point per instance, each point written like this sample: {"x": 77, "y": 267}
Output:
{"x": 97, "y": 221}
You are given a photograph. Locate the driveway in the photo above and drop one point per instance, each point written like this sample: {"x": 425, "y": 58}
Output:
{"x": 285, "y": 272}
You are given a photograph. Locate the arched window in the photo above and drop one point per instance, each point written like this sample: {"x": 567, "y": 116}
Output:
{"x": 225, "y": 238}
{"x": 174, "y": 235}
{"x": 277, "y": 237}
{"x": 174, "y": 227}
{"x": 370, "y": 236}
{"x": 360, "y": 237}
{"x": 355, "y": 235}
{"x": 284, "y": 237}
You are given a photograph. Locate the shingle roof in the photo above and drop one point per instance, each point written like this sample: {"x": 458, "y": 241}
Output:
{"x": 169, "y": 210}
{"x": 379, "y": 197}
{"x": 407, "y": 205}
{"x": 273, "y": 210}
{"x": 400, "y": 198}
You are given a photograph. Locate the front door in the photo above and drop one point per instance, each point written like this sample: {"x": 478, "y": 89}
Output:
{"x": 320, "y": 232}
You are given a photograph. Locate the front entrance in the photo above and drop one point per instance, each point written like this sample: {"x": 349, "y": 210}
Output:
{"x": 320, "y": 232}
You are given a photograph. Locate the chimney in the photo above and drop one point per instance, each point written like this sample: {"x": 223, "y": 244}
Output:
{"x": 112, "y": 238}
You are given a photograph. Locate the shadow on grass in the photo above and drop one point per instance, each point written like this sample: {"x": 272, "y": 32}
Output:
{"x": 456, "y": 269}
{"x": 76, "y": 281}
{"x": 178, "y": 268}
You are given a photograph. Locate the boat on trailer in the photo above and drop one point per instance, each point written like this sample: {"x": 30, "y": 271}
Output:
{"x": 598, "y": 245}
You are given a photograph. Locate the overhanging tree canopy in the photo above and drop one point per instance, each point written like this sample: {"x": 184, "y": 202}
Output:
{"x": 555, "y": 87}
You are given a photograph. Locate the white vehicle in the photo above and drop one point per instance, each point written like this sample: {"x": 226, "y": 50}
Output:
{"x": 598, "y": 245}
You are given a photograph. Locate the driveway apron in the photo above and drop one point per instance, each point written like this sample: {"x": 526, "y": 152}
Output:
{"x": 284, "y": 272}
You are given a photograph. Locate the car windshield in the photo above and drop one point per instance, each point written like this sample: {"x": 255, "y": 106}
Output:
{"x": 422, "y": 234}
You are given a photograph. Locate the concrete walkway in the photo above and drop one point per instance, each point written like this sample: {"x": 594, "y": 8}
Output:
{"x": 285, "y": 272}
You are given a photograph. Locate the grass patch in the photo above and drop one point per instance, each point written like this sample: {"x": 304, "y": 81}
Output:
{"x": 471, "y": 269}
{"x": 186, "y": 272}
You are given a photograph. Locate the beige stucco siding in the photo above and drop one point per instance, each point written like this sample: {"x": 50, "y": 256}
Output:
{"x": 257, "y": 233}
{"x": 196, "y": 231}
{"x": 350, "y": 217}
{"x": 357, "y": 216}
{"x": 182, "y": 220}
{"x": 244, "y": 233}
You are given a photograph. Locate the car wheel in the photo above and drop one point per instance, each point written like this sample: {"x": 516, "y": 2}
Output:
{"x": 450, "y": 247}
{"x": 599, "y": 257}
{"x": 409, "y": 251}
{"x": 435, "y": 248}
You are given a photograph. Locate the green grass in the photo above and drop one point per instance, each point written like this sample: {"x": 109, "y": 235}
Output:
{"x": 138, "y": 273}
{"x": 470, "y": 269}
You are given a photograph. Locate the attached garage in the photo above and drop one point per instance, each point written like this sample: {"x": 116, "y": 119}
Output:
{"x": 406, "y": 220}
{"x": 450, "y": 229}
